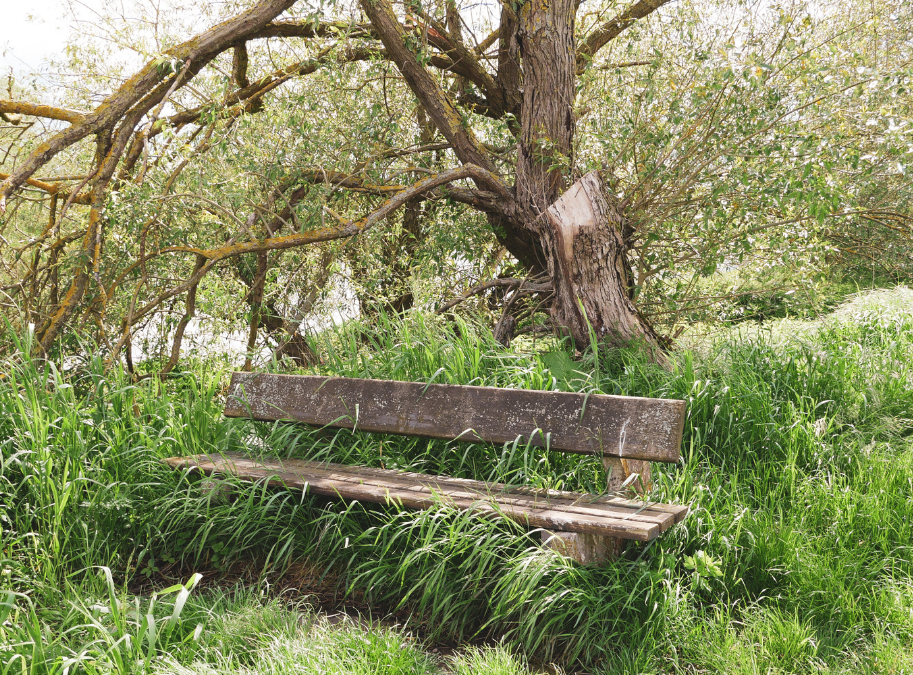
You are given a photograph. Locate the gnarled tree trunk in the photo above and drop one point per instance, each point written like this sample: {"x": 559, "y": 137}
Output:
{"x": 578, "y": 232}
{"x": 581, "y": 233}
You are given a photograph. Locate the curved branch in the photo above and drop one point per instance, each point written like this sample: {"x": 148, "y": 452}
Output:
{"x": 350, "y": 228}
{"x": 611, "y": 29}
{"x": 346, "y": 230}
{"x": 39, "y": 110}
{"x": 482, "y": 200}
{"x": 148, "y": 82}
{"x": 244, "y": 100}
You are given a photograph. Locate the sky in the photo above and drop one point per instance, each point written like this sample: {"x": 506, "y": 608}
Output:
{"x": 30, "y": 33}
{"x": 33, "y": 31}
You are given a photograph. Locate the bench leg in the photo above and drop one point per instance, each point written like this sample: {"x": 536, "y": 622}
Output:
{"x": 219, "y": 491}
{"x": 619, "y": 470}
{"x": 594, "y": 549}
{"x": 586, "y": 549}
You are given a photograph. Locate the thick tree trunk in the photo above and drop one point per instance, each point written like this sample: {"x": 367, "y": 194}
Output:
{"x": 582, "y": 234}
{"x": 537, "y": 67}
{"x": 546, "y": 38}
{"x": 578, "y": 232}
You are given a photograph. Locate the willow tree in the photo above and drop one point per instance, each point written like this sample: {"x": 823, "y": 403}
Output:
{"x": 732, "y": 133}
{"x": 524, "y": 73}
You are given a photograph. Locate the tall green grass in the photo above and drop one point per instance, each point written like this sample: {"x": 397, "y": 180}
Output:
{"x": 795, "y": 556}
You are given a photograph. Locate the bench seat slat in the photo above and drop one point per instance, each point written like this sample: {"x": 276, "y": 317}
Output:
{"x": 619, "y": 426}
{"x": 677, "y": 511}
{"x": 553, "y": 510}
{"x": 568, "y": 502}
{"x": 439, "y": 485}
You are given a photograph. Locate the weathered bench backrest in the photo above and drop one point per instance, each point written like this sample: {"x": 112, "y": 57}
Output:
{"x": 619, "y": 426}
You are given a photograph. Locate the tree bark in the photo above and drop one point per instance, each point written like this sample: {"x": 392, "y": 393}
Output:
{"x": 582, "y": 234}
{"x": 579, "y": 232}
{"x": 546, "y": 38}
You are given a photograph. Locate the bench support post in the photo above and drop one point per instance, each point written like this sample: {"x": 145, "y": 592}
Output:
{"x": 594, "y": 549}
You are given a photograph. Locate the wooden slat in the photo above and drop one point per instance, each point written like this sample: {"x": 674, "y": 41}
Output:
{"x": 677, "y": 511}
{"x": 620, "y": 426}
{"x": 549, "y": 509}
{"x": 460, "y": 488}
{"x": 502, "y": 494}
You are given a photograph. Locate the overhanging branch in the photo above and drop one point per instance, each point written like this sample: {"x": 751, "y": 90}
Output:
{"x": 242, "y": 100}
{"x": 39, "y": 110}
{"x": 148, "y": 84}
{"x": 611, "y": 29}
{"x": 351, "y": 228}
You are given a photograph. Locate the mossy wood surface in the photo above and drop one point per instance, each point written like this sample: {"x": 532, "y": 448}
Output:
{"x": 620, "y": 426}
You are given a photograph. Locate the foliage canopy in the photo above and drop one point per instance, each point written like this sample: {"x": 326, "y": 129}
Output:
{"x": 402, "y": 154}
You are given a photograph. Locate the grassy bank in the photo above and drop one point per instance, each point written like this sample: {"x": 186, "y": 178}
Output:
{"x": 796, "y": 556}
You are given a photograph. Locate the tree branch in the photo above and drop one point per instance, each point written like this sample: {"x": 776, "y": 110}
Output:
{"x": 350, "y": 228}
{"x": 464, "y": 61}
{"x": 244, "y": 99}
{"x": 481, "y": 200}
{"x": 438, "y": 106}
{"x": 38, "y": 110}
{"x": 190, "y": 305}
{"x": 488, "y": 42}
{"x": 52, "y": 189}
{"x": 239, "y": 64}
{"x": 148, "y": 83}
{"x": 509, "y": 282}
{"x": 465, "y": 64}
{"x": 309, "y": 29}
{"x": 608, "y": 31}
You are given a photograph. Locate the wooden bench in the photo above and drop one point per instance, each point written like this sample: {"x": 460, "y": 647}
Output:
{"x": 629, "y": 433}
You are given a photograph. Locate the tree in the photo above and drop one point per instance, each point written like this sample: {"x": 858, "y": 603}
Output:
{"x": 704, "y": 146}
{"x": 538, "y": 59}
